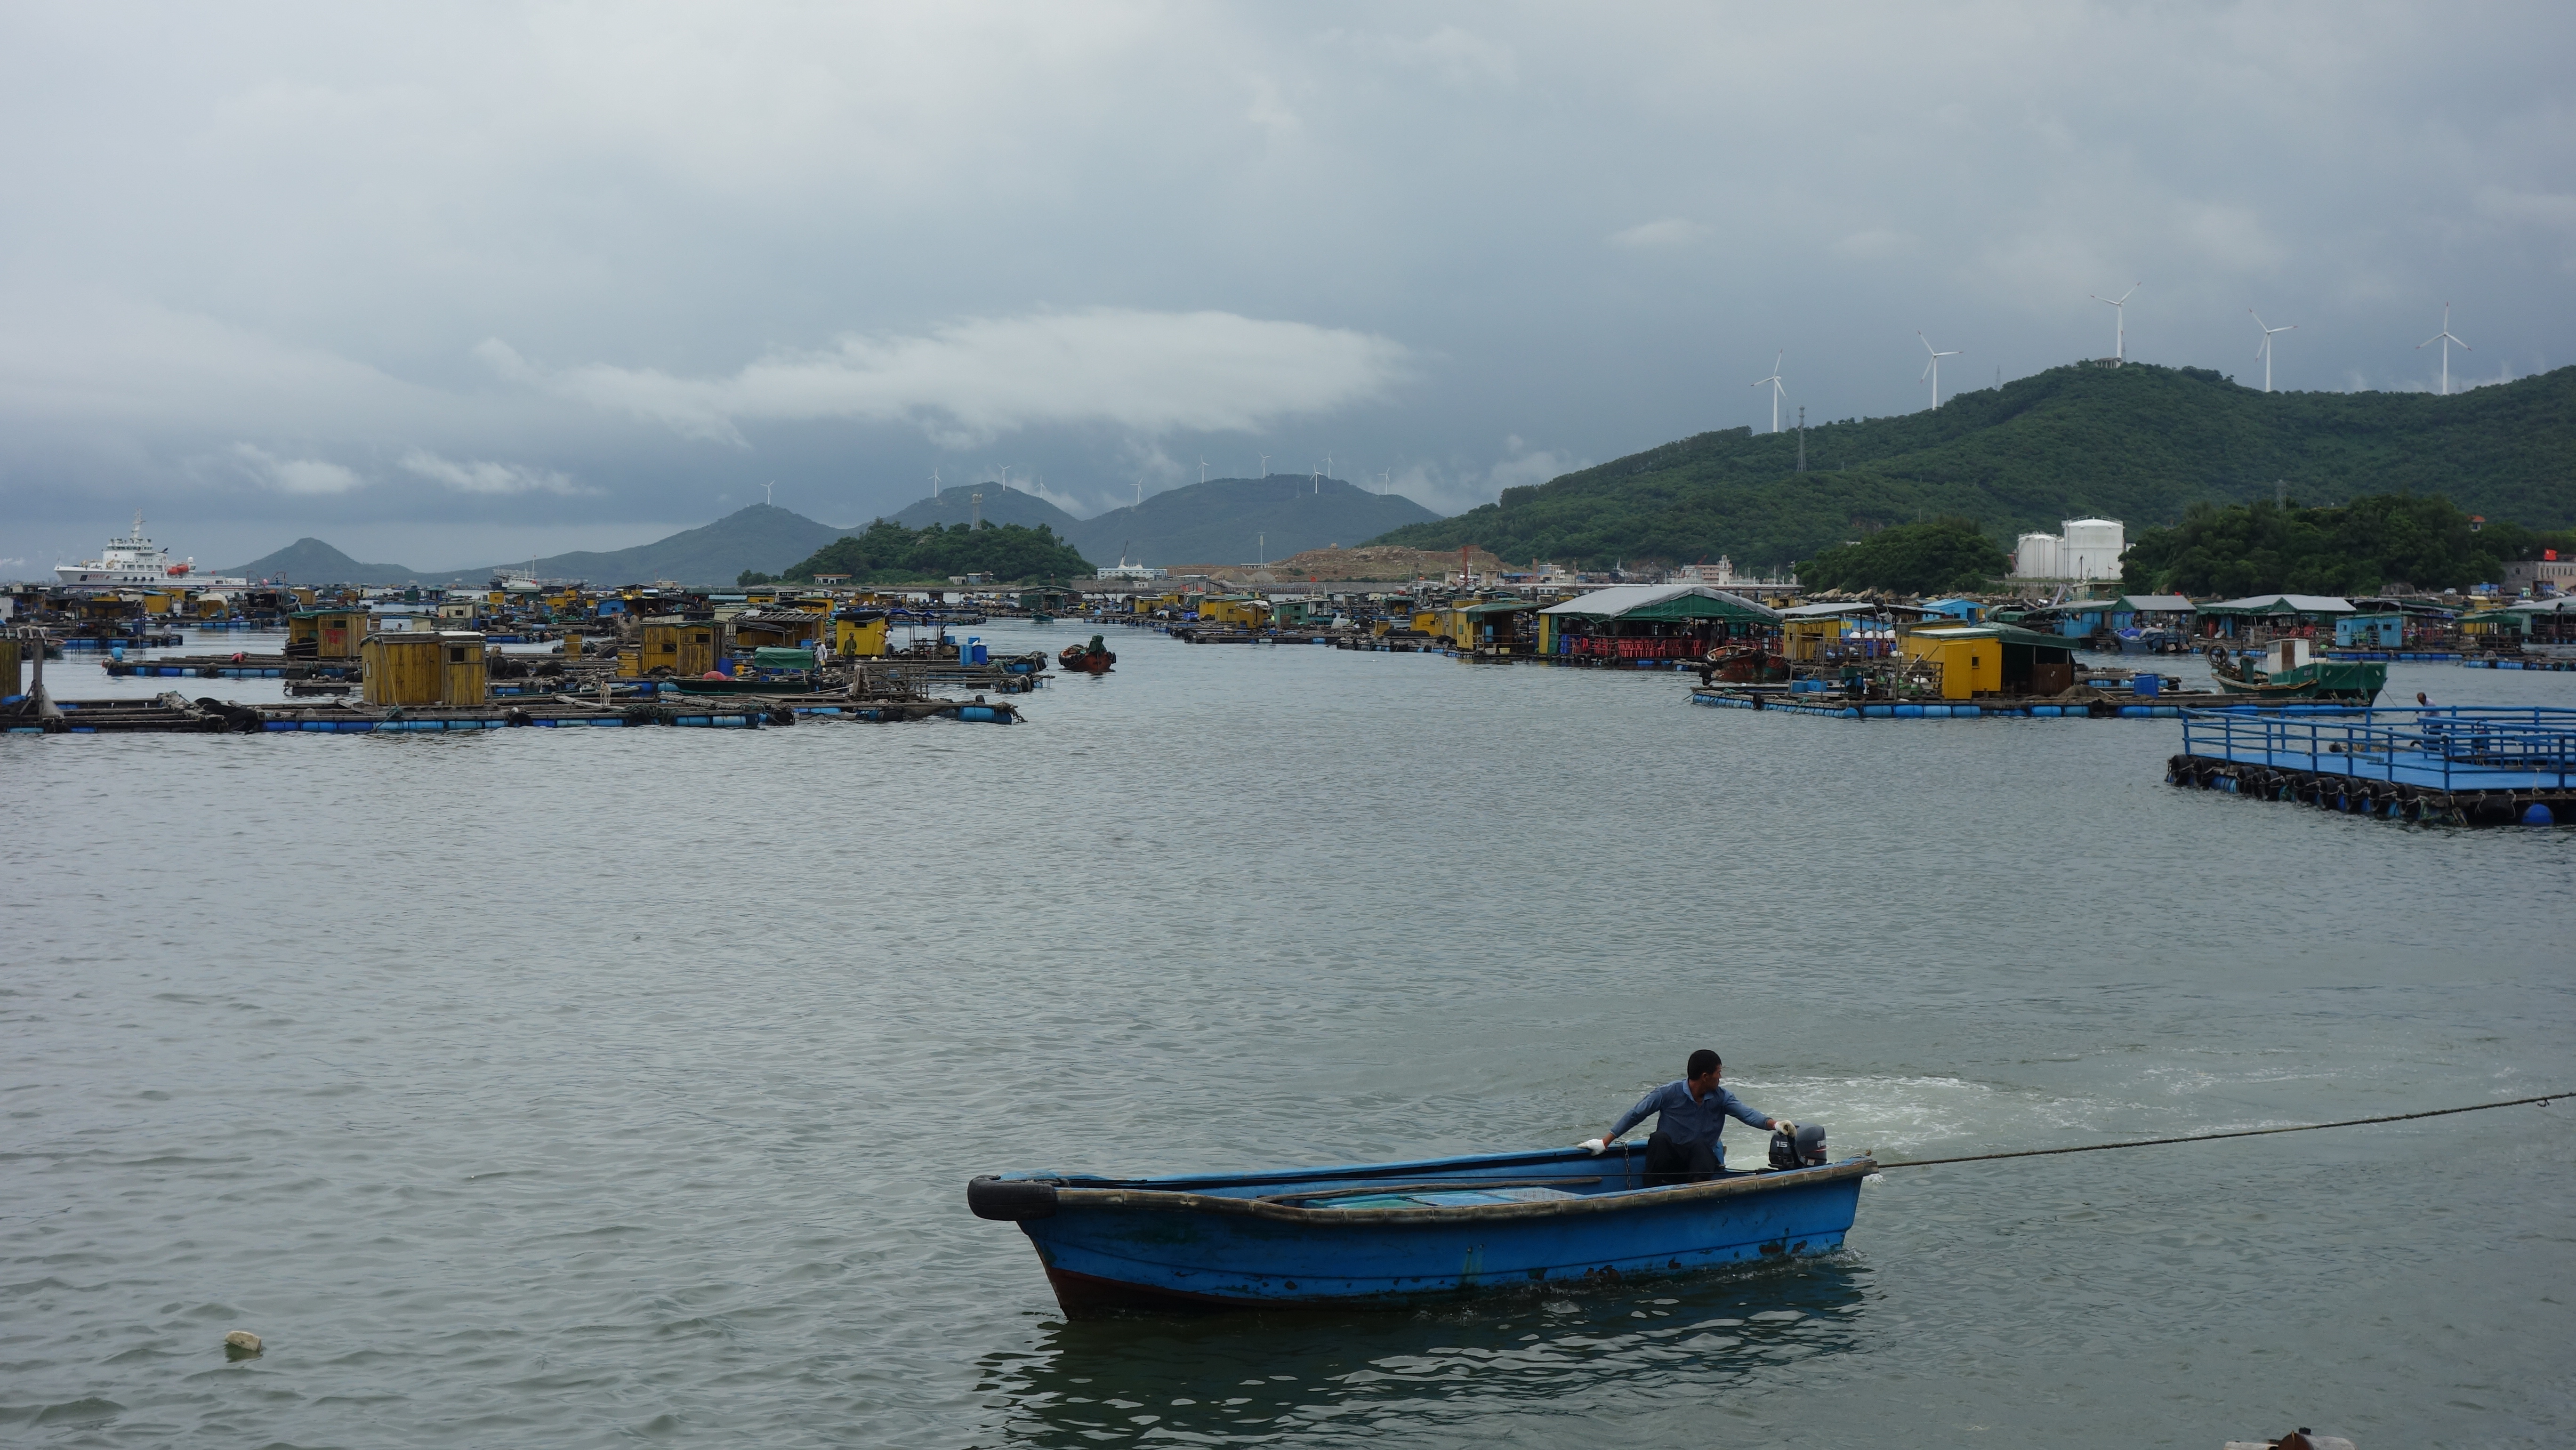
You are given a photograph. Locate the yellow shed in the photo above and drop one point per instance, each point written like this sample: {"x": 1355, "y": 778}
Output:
{"x": 1806, "y": 639}
{"x": 859, "y": 634}
{"x": 1971, "y": 659}
{"x": 685, "y": 647}
{"x": 423, "y": 667}
{"x": 336, "y": 634}
{"x": 1247, "y": 610}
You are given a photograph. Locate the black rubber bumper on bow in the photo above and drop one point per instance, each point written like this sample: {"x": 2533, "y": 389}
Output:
{"x": 1010, "y": 1199}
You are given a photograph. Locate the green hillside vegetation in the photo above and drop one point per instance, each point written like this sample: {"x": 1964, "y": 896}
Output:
{"x": 2360, "y": 547}
{"x": 2138, "y": 443}
{"x": 886, "y": 552}
{"x": 1944, "y": 555}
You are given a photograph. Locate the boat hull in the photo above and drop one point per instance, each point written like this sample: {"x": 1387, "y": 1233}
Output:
{"x": 2323, "y": 680}
{"x": 1110, "y": 1250}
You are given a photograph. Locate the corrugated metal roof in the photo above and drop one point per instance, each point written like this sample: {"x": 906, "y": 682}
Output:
{"x": 2000, "y": 633}
{"x": 2281, "y": 604}
{"x": 2156, "y": 603}
{"x": 1832, "y": 610}
{"x": 1661, "y": 601}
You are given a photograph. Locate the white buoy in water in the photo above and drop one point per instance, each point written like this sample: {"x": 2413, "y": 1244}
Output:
{"x": 241, "y": 1344}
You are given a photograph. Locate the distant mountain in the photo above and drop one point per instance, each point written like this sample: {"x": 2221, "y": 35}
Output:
{"x": 311, "y": 561}
{"x": 1001, "y": 505}
{"x": 1241, "y": 520}
{"x": 762, "y": 537}
{"x": 2137, "y": 443}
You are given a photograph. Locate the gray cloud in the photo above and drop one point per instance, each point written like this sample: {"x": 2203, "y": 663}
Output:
{"x": 966, "y": 383}
{"x": 490, "y": 478}
{"x": 841, "y": 246}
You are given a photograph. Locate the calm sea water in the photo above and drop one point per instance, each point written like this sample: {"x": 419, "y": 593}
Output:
{"x": 594, "y": 1088}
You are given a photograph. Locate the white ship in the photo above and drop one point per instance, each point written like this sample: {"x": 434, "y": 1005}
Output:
{"x": 135, "y": 561}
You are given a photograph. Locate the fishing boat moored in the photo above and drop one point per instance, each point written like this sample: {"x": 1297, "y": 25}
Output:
{"x": 2292, "y": 671}
{"x": 1399, "y": 1233}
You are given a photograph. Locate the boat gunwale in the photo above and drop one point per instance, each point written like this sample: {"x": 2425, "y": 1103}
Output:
{"x": 1615, "y": 1201}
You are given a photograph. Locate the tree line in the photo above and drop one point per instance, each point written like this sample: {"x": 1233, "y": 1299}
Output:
{"x": 886, "y": 552}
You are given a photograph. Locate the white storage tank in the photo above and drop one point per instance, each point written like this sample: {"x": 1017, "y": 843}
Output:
{"x": 2035, "y": 556}
{"x": 2091, "y": 549}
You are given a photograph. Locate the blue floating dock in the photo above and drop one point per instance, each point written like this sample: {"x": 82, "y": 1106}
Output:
{"x": 2457, "y": 764}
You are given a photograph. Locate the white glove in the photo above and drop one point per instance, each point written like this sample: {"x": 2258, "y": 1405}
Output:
{"x": 1593, "y": 1146}
{"x": 1783, "y": 1125}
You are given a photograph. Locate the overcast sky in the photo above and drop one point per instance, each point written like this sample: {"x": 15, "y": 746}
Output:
{"x": 452, "y": 284}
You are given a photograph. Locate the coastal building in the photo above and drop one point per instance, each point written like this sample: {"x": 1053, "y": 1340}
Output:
{"x": 2544, "y": 576}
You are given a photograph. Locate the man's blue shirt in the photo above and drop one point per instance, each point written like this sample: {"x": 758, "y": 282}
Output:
{"x": 1685, "y": 1121}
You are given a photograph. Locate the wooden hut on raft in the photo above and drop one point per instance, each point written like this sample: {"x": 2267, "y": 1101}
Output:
{"x": 685, "y": 647}
{"x": 326, "y": 634}
{"x": 423, "y": 667}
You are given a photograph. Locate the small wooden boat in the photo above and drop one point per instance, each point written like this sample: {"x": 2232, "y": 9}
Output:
{"x": 1091, "y": 659}
{"x": 1400, "y": 1233}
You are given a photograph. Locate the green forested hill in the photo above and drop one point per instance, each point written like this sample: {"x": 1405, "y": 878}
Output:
{"x": 2139, "y": 444}
{"x": 885, "y": 552}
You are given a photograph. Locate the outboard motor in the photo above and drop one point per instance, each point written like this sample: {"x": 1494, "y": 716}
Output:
{"x": 1805, "y": 1151}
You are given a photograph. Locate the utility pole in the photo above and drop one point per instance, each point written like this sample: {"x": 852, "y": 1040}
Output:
{"x": 1802, "y": 437}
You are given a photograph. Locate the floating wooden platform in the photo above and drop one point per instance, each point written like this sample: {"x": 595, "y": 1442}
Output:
{"x": 225, "y": 667}
{"x": 114, "y": 641}
{"x": 174, "y": 714}
{"x": 2553, "y": 665}
{"x": 2002, "y": 707}
{"x": 2457, "y": 765}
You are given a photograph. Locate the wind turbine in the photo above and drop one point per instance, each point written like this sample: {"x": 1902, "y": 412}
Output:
{"x": 768, "y": 491}
{"x": 1140, "y": 503}
{"x": 2119, "y": 320}
{"x": 1265, "y": 465}
{"x": 1203, "y": 468}
{"x": 1774, "y": 381}
{"x": 1932, "y": 369}
{"x": 934, "y": 483}
{"x": 2266, "y": 349}
{"x": 2445, "y": 339}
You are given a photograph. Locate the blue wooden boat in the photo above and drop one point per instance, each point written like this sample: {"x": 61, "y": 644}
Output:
{"x": 1402, "y": 1233}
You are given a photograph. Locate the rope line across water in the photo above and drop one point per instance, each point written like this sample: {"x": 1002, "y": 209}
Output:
{"x": 2236, "y": 1133}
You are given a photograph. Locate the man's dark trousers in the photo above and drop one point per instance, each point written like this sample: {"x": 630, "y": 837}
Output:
{"x": 1669, "y": 1162}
